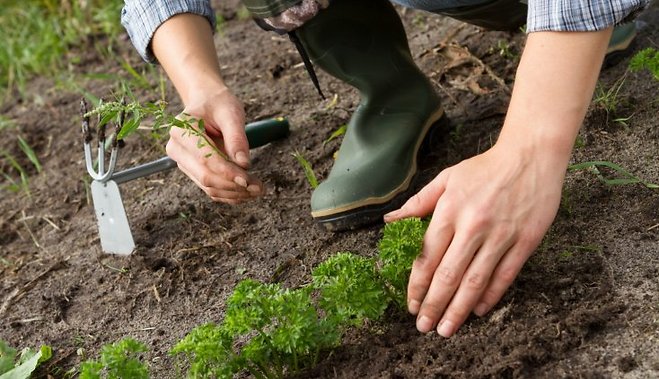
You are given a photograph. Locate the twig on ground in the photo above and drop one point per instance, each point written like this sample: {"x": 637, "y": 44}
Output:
{"x": 196, "y": 248}
{"x": 155, "y": 293}
{"x": 51, "y": 223}
{"x": 23, "y": 220}
{"x": 459, "y": 56}
{"x": 444, "y": 42}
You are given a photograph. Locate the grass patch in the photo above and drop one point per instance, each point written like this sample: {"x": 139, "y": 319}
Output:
{"x": 14, "y": 173}
{"x": 38, "y": 34}
{"x": 608, "y": 98}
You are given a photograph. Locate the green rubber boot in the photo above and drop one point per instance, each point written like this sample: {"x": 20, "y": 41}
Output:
{"x": 363, "y": 43}
{"x": 620, "y": 44}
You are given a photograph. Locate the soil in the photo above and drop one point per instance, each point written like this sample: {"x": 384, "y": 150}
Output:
{"x": 586, "y": 305}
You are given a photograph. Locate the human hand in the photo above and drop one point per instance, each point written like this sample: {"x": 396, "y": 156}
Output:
{"x": 490, "y": 213}
{"x": 223, "y": 180}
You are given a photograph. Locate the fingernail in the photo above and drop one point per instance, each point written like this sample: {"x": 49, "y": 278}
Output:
{"x": 413, "y": 306}
{"x": 481, "y": 309}
{"x": 239, "y": 180}
{"x": 446, "y": 328}
{"x": 424, "y": 324}
{"x": 253, "y": 188}
{"x": 242, "y": 158}
{"x": 389, "y": 216}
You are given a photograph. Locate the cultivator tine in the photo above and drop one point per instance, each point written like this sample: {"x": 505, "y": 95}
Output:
{"x": 101, "y": 150}
{"x": 100, "y": 173}
{"x": 118, "y": 126}
{"x": 87, "y": 139}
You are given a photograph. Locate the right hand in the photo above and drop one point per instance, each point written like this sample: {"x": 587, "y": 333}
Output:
{"x": 223, "y": 180}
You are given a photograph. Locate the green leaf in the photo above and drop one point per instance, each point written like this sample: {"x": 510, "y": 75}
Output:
{"x": 646, "y": 59}
{"x": 118, "y": 360}
{"x": 350, "y": 289}
{"x": 7, "y": 356}
{"x": 129, "y": 127}
{"x": 209, "y": 350}
{"x": 336, "y": 134}
{"x": 400, "y": 245}
{"x": 628, "y": 178}
{"x": 308, "y": 170}
{"x": 90, "y": 370}
{"x": 108, "y": 116}
{"x": 28, "y": 362}
{"x": 29, "y": 153}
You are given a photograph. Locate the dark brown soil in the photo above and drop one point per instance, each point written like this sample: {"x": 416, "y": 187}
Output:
{"x": 585, "y": 306}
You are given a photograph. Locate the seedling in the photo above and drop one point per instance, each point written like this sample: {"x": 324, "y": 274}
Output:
{"x": 14, "y": 167}
{"x": 400, "y": 245}
{"x": 336, "y": 134}
{"x": 22, "y": 184}
{"x": 118, "y": 360}
{"x": 504, "y": 49}
{"x": 267, "y": 331}
{"x": 626, "y": 176}
{"x": 308, "y": 169}
{"x": 209, "y": 349}
{"x": 270, "y": 331}
{"x": 29, "y": 153}
{"x": 572, "y": 250}
{"x": 646, "y": 59}
{"x": 607, "y": 98}
{"x": 351, "y": 290}
{"x": 137, "y": 113}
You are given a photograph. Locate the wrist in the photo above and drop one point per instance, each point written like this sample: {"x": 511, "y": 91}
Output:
{"x": 202, "y": 89}
{"x": 548, "y": 147}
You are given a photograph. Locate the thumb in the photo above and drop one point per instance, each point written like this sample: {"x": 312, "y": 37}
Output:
{"x": 421, "y": 204}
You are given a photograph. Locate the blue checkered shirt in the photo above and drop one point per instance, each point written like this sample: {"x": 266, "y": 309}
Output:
{"x": 580, "y": 15}
{"x": 141, "y": 18}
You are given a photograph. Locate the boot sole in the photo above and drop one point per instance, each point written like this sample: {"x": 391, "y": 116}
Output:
{"x": 370, "y": 211}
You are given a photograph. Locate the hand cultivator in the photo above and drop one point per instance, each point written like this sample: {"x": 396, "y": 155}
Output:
{"x": 113, "y": 226}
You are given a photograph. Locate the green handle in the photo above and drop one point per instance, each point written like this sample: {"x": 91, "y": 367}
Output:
{"x": 260, "y": 133}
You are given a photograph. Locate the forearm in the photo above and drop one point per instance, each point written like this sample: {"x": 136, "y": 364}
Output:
{"x": 553, "y": 89}
{"x": 184, "y": 47}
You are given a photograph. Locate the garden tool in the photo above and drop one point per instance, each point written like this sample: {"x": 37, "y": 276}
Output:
{"x": 113, "y": 226}
{"x": 363, "y": 43}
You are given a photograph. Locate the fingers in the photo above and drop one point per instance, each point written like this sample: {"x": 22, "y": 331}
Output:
{"x": 503, "y": 277}
{"x": 445, "y": 280}
{"x": 435, "y": 242}
{"x": 421, "y": 204}
{"x": 473, "y": 284}
{"x": 221, "y": 190}
{"x": 221, "y": 180}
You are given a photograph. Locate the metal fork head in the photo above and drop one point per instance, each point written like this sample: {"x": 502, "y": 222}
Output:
{"x": 99, "y": 173}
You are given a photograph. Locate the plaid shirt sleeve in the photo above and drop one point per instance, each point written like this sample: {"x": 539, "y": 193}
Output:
{"x": 580, "y": 15}
{"x": 141, "y": 18}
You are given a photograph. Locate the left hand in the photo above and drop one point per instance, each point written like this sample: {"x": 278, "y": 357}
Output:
{"x": 490, "y": 213}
